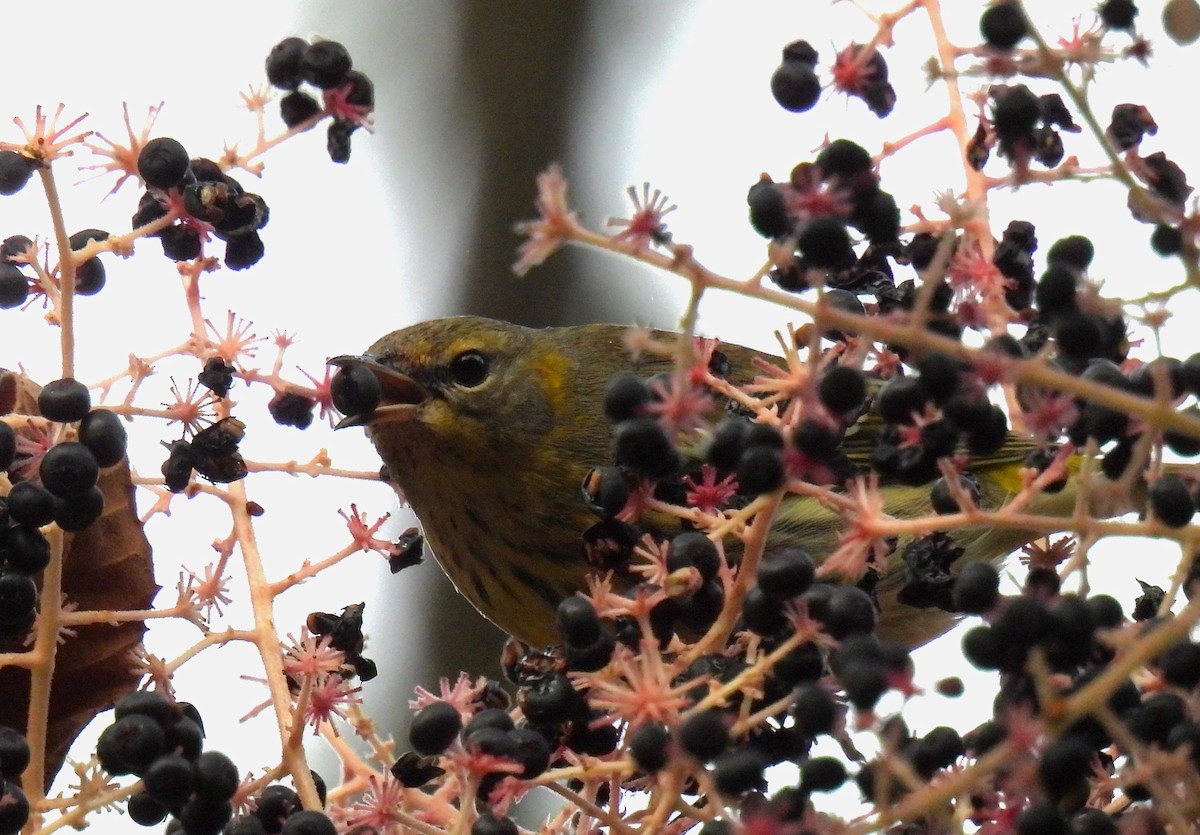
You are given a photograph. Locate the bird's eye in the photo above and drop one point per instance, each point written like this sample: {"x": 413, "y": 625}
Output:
{"x": 469, "y": 369}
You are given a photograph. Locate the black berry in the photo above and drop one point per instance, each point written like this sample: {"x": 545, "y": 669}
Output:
{"x": 64, "y": 401}
{"x": 163, "y": 162}
{"x": 15, "y": 171}
{"x": 68, "y": 468}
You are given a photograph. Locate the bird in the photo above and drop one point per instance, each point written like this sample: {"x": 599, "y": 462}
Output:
{"x": 489, "y": 428}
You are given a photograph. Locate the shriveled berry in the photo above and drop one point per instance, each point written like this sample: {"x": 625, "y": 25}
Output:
{"x": 68, "y": 468}
{"x": 103, "y": 433}
{"x": 243, "y": 250}
{"x": 29, "y": 504}
{"x": 64, "y": 401}
{"x": 163, "y": 162}
{"x": 218, "y": 377}
{"x": 548, "y": 699}
{"x": 289, "y": 408}
{"x": 181, "y": 243}
{"x": 337, "y": 140}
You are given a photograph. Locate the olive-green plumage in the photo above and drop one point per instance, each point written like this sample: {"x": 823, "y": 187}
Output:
{"x": 491, "y": 450}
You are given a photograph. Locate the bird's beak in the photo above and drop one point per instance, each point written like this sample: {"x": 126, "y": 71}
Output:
{"x": 400, "y": 394}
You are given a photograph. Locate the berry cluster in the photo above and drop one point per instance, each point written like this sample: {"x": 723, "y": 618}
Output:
{"x": 54, "y": 481}
{"x": 205, "y": 202}
{"x": 14, "y": 759}
{"x": 345, "y": 635}
{"x": 212, "y": 452}
{"x": 277, "y": 811}
{"x": 479, "y": 735}
{"x": 348, "y": 95}
{"x": 162, "y": 741}
{"x": 858, "y": 71}
{"x": 814, "y": 209}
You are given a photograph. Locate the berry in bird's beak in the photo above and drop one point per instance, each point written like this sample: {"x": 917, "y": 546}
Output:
{"x": 367, "y": 391}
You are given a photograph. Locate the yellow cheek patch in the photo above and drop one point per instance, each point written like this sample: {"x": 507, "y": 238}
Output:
{"x": 550, "y": 369}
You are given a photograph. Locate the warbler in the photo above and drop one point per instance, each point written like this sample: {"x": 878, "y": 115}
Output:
{"x": 490, "y": 428}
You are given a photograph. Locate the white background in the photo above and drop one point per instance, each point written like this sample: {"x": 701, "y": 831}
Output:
{"x": 676, "y": 94}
